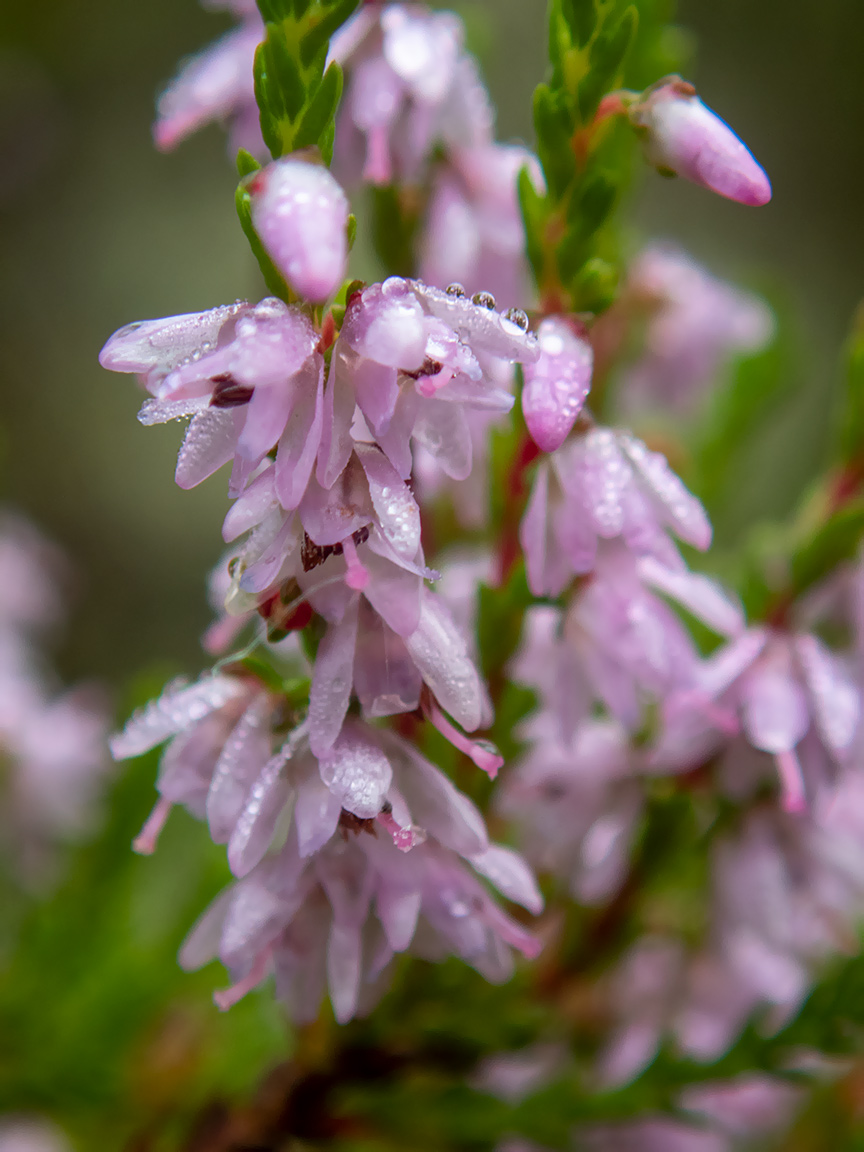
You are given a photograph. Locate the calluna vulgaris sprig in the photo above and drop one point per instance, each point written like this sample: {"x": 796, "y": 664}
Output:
{"x": 353, "y": 415}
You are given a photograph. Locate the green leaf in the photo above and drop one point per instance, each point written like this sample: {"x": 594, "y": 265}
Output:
{"x": 317, "y": 40}
{"x": 837, "y": 540}
{"x": 246, "y": 163}
{"x": 851, "y": 430}
{"x": 284, "y": 74}
{"x": 596, "y": 286}
{"x": 554, "y": 129}
{"x": 607, "y": 54}
{"x": 581, "y": 18}
{"x": 321, "y": 111}
{"x": 533, "y": 206}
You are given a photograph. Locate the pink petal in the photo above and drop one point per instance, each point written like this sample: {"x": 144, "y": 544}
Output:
{"x": 211, "y": 441}
{"x": 357, "y": 772}
{"x": 301, "y": 215}
{"x": 511, "y": 876}
{"x": 332, "y": 680}
{"x": 298, "y": 446}
{"x": 556, "y": 384}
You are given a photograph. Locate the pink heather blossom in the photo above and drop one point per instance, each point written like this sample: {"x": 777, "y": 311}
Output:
{"x": 474, "y": 234}
{"x": 557, "y": 383}
{"x": 414, "y": 358}
{"x": 301, "y": 215}
{"x": 307, "y": 918}
{"x": 410, "y": 86}
{"x": 695, "y": 324}
{"x": 777, "y": 689}
{"x": 31, "y": 1134}
{"x": 752, "y": 1104}
{"x": 576, "y": 805}
{"x": 226, "y": 764}
{"x": 250, "y": 377}
{"x": 620, "y": 643}
{"x": 216, "y": 84}
{"x": 684, "y": 138}
{"x": 53, "y": 743}
{"x": 602, "y": 484}
{"x": 650, "y": 1134}
{"x": 515, "y": 1076}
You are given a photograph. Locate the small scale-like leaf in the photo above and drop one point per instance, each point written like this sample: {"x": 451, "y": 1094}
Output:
{"x": 246, "y": 163}
{"x": 321, "y": 111}
{"x": 317, "y": 39}
{"x": 554, "y": 129}
{"x": 608, "y": 52}
{"x": 836, "y": 541}
{"x": 581, "y": 19}
{"x": 851, "y": 430}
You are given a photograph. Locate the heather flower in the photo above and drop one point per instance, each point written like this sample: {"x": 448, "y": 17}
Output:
{"x": 216, "y": 84}
{"x": 31, "y": 1134}
{"x": 557, "y": 383}
{"x": 695, "y": 323}
{"x": 305, "y": 913}
{"x": 602, "y": 484}
{"x": 620, "y": 643}
{"x": 52, "y": 742}
{"x": 684, "y": 138}
{"x": 409, "y": 87}
{"x": 575, "y": 804}
{"x": 250, "y": 377}
{"x": 412, "y": 354}
{"x": 775, "y": 688}
{"x": 473, "y": 232}
{"x": 752, "y": 1104}
{"x": 301, "y": 215}
{"x": 650, "y": 1134}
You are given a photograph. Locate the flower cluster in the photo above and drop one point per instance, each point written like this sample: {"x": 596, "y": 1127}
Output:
{"x": 53, "y": 741}
{"x": 343, "y": 408}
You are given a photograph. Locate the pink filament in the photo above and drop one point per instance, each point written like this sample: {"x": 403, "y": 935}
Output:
{"x": 791, "y": 782}
{"x": 146, "y": 840}
{"x": 357, "y": 576}
{"x": 228, "y": 997}
{"x": 403, "y": 838}
{"x": 483, "y": 757}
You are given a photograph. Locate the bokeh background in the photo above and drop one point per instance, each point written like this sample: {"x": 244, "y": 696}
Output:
{"x": 96, "y": 229}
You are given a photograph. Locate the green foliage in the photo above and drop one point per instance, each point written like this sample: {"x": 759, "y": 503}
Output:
{"x": 296, "y": 96}
{"x": 851, "y": 422}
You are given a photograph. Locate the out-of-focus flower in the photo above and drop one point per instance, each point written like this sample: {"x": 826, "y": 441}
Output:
{"x": 216, "y": 84}
{"x": 684, "y": 138}
{"x": 53, "y": 744}
{"x": 747, "y": 1106}
{"x": 775, "y": 687}
{"x": 307, "y": 915}
{"x": 604, "y": 484}
{"x": 31, "y": 1134}
{"x": 301, "y": 215}
{"x": 650, "y": 1134}
{"x": 473, "y": 232}
{"x": 695, "y": 324}
{"x": 557, "y": 384}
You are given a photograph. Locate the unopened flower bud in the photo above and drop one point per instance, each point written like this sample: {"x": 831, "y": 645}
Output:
{"x": 557, "y": 383}
{"x": 685, "y": 138}
{"x": 301, "y": 216}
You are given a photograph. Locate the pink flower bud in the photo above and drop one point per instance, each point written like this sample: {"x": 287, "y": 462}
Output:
{"x": 557, "y": 383}
{"x": 685, "y": 138}
{"x": 301, "y": 215}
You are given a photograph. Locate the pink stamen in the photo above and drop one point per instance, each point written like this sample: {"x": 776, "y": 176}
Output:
{"x": 404, "y": 838}
{"x": 356, "y": 577}
{"x": 429, "y": 385}
{"x": 378, "y": 168}
{"x": 484, "y": 754}
{"x": 227, "y": 997}
{"x": 147, "y": 839}
{"x": 511, "y": 932}
{"x": 791, "y": 782}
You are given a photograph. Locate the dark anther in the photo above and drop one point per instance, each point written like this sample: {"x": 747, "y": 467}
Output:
{"x": 348, "y": 822}
{"x": 312, "y": 555}
{"x": 229, "y": 393}
{"x": 484, "y": 300}
{"x": 456, "y": 290}
{"x": 429, "y": 367}
{"x": 518, "y": 317}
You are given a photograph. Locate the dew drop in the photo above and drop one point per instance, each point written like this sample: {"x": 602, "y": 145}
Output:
{"x": 456, "y": 290}
{"x": 484, "y": 300}
{"x": 518, "y": 317}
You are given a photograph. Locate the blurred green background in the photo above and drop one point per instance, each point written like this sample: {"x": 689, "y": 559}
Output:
{"x": 98, "y": 230}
